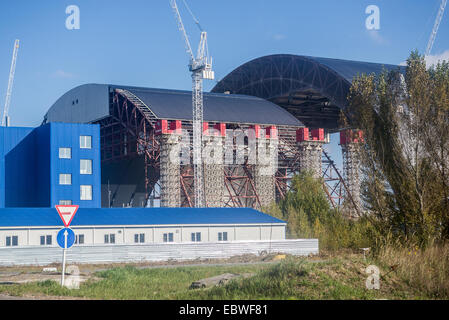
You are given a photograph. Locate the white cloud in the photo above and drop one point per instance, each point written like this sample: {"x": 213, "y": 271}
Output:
{"x": 434, "y": 59}
{"x": 376, "y": 37}
{"x": 277, "y": 36}
{"x": 62, "y": 74}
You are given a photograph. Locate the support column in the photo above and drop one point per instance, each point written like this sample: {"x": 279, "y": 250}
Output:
{"x": 266, "y": 166}
{"x": 213, "y": 153}
{"x": 170, "y": 147}
{"x": 310, "y": 145}
{"x": 349, "y": 142}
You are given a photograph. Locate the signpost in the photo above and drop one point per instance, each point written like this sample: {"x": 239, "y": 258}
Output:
{"x": 66, "y": 236}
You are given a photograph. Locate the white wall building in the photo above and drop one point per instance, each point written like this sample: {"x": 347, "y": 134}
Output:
{"x": 39, "y": 227}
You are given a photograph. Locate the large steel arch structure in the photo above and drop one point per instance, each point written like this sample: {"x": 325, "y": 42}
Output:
{"x": 284, "y": 92}
{"x": 312, "y": 89}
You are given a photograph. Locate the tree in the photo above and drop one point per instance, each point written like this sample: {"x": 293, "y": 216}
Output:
{"x": 307, "y": 194}
{"x": 404, "y": 158}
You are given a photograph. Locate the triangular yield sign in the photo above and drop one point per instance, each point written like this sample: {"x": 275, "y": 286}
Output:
{"x": 67, "y": 213}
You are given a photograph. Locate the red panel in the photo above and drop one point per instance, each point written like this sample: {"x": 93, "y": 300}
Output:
{"x": 318, "y": 134}
{"x": 351, "y": 136}
{"x": 271, "y": 132}
{"x": 161, "y": 127}
{"x": 221, "y": 128}
{"x": 302, "y": 134}
{"x": 205, "y": 128}
{"x": 256, "y": 129}
{"x": 361, "y": 139}
{"x": 175, "y": 127}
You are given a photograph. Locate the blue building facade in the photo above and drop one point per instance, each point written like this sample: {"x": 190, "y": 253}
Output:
{"x": 9, "y": 139}
{"x": 57, "y": 163}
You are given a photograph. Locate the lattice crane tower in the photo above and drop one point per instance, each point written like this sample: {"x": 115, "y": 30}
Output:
{"x": 10, "y": 83}
{"x": 436, "y": 26}
{"x": 201, "y": 68}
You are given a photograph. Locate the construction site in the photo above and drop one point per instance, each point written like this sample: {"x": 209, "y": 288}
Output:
{"x": 286, "y": 106}
{"x": 292, "y": 107}
{"x": 276, "y": 157}
{"x": 237, "y": 146}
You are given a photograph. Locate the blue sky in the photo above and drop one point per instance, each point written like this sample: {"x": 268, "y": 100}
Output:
{"x": 136, "y": 42}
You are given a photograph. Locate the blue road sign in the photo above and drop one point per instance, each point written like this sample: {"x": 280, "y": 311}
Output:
{"x": 70, "y": 237}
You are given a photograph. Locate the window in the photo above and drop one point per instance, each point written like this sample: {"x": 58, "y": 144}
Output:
{"x": 79, "y": 239}
{"x": 112, "y": 238}
{"x": 46, "y": 240}
{"x": 85, "y": 166}
{"x": 65, "y": 202}
{"x": 12, "y": 241}
{"x": 168, "y": 237}
{"x": 65, "y": 179}
{"x": 139, "y": 238}
{"x": 85, "y": 142}
{"x": 65, "y": 153}
{"x": 196, "y": 236}
{"x": 86, "y": 192}
{"x": 222, "y": 236}
{"x": 109, "y": 238}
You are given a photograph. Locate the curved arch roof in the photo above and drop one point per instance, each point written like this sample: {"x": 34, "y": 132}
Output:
{"x": 311, "y": 88}
{"x": 90, "y": 102}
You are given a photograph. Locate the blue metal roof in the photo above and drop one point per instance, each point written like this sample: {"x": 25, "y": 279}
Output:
{"x": 37, "y": 217}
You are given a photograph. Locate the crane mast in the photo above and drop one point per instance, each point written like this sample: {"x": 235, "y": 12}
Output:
{"x": 201, "y": 68}
{"x": 436, "y": 26}
{"x": 10, "y": 83}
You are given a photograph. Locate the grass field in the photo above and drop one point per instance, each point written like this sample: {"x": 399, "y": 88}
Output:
{"x": 335, "y": 277}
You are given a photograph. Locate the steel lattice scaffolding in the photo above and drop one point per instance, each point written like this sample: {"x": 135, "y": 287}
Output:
{"x": 131, "y": 132}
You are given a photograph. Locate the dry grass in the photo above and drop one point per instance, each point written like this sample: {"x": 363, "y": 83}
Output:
{"x": 427, "y": 269}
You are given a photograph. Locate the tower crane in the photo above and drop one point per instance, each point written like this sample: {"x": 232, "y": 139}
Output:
{"x": 10, "y": 83}
{"x": 436, "y": 26}
{"x": 201, "y": 68}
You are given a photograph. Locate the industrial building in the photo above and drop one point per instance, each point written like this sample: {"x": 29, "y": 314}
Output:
{"x": 39, "y": 227}
{"x": 28, "y": 236}
{"x": 106, "y": 147}
{"x": 299, "y": 98}
{"x": 57, "y": 163}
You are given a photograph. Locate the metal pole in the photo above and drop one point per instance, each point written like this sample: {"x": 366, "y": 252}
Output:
{"x": 63, "y": 257}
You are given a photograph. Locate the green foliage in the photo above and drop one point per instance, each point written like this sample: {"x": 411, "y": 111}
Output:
{"x": 404, "y": 159}
{"x": 293, "y": 278}
{"x": 307, "y": 195}
{"x": 309, "y": 215}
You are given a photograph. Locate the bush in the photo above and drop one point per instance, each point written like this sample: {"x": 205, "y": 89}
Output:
{"x": 309, "y": 215}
